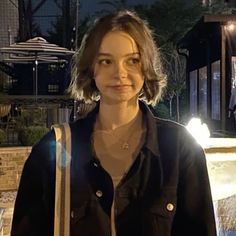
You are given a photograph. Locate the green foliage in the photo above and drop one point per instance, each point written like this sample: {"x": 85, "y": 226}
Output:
{"x": 28, "y": 136}
{"x": 31, "y": 125}
{"x": 3, "y": 136}
{"x": 162, "y": 110}
{"x": 171, "y": 19}
{"x": 31, "y": 116}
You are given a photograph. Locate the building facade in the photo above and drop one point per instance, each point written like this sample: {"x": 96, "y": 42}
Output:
{"x": 9, "y": 23}
{"x": 9, "y": 27}
{"x": 229, "y": 3}
{"x": 211, "y": 66}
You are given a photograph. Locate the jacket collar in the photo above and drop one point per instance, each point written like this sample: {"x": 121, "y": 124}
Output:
{"x": 151, "y": 121}
{"x": 152, "y": 132}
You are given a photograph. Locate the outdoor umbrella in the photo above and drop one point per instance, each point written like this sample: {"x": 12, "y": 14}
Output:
{"x": 36, "y": 50}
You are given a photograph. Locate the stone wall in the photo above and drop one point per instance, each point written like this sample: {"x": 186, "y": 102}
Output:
{"x": 12, "y": 160}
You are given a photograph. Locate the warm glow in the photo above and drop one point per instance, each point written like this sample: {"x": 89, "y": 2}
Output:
{"x": 230, "y": 26}
{"x": 199, "y": 131}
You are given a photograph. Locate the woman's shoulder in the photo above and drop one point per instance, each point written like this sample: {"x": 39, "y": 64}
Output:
{"x": 47, "y": 139}
{"x": 174, "y": 137}
{"x": 174, "y": 132}
{"x": 45, "y": 146}
{"x": 153, "y": 119}
{"x": 169, "y": 125}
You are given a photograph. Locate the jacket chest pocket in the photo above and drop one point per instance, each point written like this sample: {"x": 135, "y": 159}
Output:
{"x": 158, "y": 216}
{"x": 78, "y": 220}
{"x": 78, "y": 214}
{"x": 90, "y": 219}
{"x": 165, "y": 209}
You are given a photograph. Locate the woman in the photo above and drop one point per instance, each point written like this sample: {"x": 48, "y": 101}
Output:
{"x": 131, "y": 173}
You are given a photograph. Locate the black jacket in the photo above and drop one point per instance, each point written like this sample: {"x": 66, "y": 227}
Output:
{"x": 166, "y": 191}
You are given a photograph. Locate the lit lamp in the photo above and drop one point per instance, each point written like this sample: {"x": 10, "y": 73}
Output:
{"x": 230, "y": 26}
{"x": 199, "y": 131}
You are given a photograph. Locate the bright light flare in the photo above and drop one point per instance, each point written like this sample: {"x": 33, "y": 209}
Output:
{"x": 199, "y": 131}
{"x": 230, "y": 26}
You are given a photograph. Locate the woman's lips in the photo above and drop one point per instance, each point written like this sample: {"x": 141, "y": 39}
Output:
{"x": 120, "y": 87}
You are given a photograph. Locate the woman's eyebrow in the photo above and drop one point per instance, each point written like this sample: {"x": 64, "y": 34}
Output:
{"x": 104, "y": 54}
{"x": 128, "y": 54}
{"x": 133, "y": 54}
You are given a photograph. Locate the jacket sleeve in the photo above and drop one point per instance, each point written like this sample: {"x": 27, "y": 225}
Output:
{"x": 195, "y": 213}
{"x": 29, "y": 211}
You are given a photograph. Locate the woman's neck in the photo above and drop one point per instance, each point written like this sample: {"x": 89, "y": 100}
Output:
{"x": 112, "y": 116}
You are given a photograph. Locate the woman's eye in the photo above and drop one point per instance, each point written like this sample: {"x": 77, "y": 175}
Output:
{"x": 104, "y": 62}
{"x": 134, "y": 61}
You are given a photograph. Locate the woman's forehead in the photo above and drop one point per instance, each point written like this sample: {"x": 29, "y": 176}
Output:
{"x": 118, "y": 42}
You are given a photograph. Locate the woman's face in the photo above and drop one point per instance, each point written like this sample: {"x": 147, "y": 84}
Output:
{"x": 117, "y": 70}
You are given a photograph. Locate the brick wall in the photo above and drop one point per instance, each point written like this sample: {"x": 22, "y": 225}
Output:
{"x": 11, "y": 163}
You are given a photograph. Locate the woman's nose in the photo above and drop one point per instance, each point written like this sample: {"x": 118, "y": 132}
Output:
{"x": 121, "y": 71}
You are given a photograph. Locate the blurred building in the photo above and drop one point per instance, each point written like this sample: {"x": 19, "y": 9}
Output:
{"x": 21, "y": 20}
{"x": 26, "y": 19}
{"x": 9, "y": 23}
{"x": 45, "y": 18}
{"x": 9, "y": 27}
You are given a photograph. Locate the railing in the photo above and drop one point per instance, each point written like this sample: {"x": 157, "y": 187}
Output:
{"x": 40, "y": 99}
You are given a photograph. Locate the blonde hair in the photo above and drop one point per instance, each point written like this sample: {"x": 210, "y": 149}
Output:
{"x": 83, "y": 86}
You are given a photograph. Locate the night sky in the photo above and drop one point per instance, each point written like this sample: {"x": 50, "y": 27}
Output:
{"x": 87, "y": 7}
{"x": 90, "y": 6}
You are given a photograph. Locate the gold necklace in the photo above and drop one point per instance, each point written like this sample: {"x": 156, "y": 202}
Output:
{"x": 125, "y": 144}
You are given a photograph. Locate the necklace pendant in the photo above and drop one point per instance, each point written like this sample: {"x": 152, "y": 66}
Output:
{"x": 125, "y": 146}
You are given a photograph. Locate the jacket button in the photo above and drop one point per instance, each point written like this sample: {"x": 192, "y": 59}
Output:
{"x": 99, "y": 193}
{"x": 170, "y": 207}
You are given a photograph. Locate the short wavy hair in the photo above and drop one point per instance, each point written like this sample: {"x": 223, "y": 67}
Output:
{"x": 83, "y": 87}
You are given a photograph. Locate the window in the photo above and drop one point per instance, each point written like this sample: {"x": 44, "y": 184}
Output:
{"x": 193, "y": 92}
{"x": 53, "y": 88}
{"x": 203, "y": 92}
{"x": 215, "y": 90}
{"x": 232, "y": 103}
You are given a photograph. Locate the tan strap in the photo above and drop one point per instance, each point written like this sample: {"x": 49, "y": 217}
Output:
{"x": 62, "y": 185}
